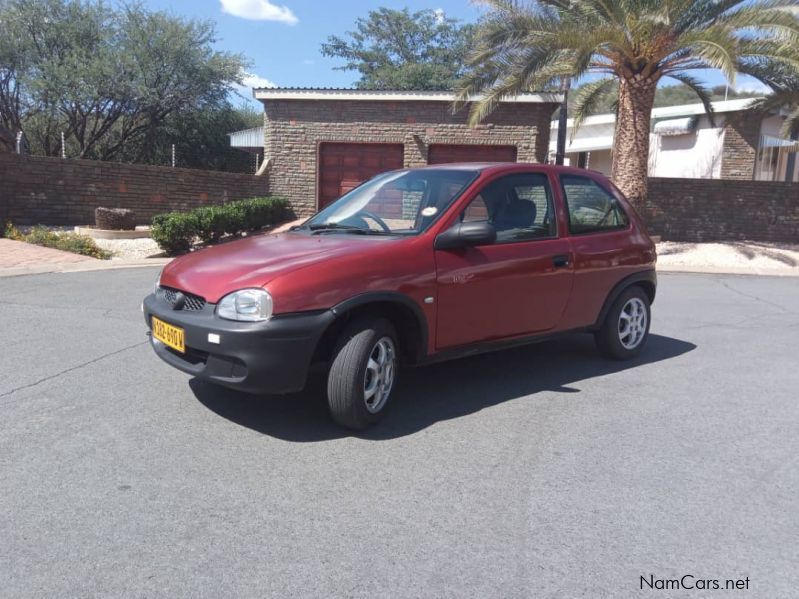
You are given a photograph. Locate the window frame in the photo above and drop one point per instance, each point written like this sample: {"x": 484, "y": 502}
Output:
{"x": 551, "y": 205}
{"x": 619, "y": 204}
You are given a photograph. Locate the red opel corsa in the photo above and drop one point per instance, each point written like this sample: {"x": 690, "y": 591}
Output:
{"x": 411, "y": 267}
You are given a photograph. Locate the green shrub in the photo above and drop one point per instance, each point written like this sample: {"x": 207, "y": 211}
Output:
{"x": 213, "y": 222}
{"x": 259, "y": 212}
{"x": 67, "y": 242}
{"x": 80, "y": 244}
{"x": 175, "y": 232}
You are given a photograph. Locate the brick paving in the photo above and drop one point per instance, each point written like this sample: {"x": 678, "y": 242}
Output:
{"x": 18, "y": 254}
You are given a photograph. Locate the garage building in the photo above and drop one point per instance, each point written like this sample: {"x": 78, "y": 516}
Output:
{"x": 320, "y": 143}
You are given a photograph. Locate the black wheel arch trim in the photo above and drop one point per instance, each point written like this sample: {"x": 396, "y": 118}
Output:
{"x": 373, "y": 297}
{"x": 645, "y": 276}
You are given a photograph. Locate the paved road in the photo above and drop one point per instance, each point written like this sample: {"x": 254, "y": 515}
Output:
{"x": 535, "y": 472}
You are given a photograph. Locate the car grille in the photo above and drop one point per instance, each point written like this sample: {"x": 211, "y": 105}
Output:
{"x": 170, "y": 296}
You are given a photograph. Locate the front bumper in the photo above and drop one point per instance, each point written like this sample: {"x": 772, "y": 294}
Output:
{"x": 256, "y": 357}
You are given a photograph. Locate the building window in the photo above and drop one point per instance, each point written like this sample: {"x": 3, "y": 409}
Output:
{"x": 776, "y": 159}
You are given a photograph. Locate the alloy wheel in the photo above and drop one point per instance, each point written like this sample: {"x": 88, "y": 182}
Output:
{"x": 379, "y": 376}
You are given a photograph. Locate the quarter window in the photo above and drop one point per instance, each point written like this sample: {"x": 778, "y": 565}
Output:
{"x": 519, "y": 207}
{"x": 591, "y": 208}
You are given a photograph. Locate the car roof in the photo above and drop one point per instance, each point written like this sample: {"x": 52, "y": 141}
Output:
{"x": 493, "y": 167}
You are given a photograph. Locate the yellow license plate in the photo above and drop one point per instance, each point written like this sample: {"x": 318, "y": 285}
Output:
{"x": 169, "y": 335}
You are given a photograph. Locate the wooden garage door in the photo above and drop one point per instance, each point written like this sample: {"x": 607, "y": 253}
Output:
{"x": 444, "y": 153}
{"x": 345, "y": 166}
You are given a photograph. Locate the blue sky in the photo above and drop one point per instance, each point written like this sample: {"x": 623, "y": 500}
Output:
{"x": 282, "y": 38}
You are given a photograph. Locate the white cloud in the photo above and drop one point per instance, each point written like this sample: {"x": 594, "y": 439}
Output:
{"x": 308, "y": 61}
{"x": 251, "y": 80}
{"x": 440, "y": 15}
{"x": 259, "y": 10}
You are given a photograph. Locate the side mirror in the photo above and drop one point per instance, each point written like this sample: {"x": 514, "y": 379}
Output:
{"x": 468, "y": 234}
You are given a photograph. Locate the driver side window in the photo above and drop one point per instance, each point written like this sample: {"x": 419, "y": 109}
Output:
{"x": 519, "y": 206}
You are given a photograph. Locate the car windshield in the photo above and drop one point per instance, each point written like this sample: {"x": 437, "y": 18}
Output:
{"x": 395, "y": 203}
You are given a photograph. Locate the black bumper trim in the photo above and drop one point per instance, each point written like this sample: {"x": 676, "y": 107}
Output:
{"x": 255, "y": 357}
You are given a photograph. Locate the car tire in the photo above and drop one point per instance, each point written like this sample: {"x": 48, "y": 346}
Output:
{"x": 625, "y": 330}
{"x": 363, "y": 372}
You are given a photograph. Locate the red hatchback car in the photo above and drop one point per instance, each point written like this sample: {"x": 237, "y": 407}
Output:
{"x": 410, "y": 267}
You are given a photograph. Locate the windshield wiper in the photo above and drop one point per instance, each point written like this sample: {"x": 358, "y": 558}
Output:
{"x": 339, "y": 228}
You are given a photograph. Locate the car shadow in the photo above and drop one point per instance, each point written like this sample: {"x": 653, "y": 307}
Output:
{"x": 437, "y": 392}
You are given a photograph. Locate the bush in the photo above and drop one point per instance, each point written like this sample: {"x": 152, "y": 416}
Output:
{"x": 67, "y": 242}
{"x": 11, "y": 232}
{"x": 214, "y": 222}
{"x": 175, "y": 232}
{"x": 260, "y": 211}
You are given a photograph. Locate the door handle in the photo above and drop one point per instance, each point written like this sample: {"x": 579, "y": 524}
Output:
{"x": 560, "y": 261}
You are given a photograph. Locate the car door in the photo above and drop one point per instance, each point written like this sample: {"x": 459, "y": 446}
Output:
{"x": 603, "y": 251}
{"x": 518, "y": 285}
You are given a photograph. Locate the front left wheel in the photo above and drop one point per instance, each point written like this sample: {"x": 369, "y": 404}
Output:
{"x": 363, "y": 372}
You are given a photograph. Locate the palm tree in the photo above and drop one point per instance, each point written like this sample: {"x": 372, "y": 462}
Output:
{"x": 633, "y": 44}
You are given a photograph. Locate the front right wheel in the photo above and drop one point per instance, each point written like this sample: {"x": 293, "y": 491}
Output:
{"x": 626, "y": 326}
{"x": 363, "y": 372}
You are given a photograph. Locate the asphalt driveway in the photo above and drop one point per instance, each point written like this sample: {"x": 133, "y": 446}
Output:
{"x": 535, "y": 472}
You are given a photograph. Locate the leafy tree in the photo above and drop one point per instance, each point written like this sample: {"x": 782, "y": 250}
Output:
{"x": 201, "y": 139}
{"x": 397, "y": 49}
{"x": 634, "y": 44}
{"x": 108, "y": 78}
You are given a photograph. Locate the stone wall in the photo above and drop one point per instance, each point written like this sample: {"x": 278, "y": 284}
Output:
{"x": 295, "y": 128}
{"x": 53, "y": 191}
{"x": 741, "y": 139}
{"x": 698, "y": 210}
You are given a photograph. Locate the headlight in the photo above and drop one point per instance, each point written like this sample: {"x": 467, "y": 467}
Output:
{"x": 158, "y": 281}
{"x": 247, "y": 304}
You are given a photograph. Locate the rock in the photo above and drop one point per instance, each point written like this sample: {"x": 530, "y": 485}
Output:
{"x": 114, "y": 218}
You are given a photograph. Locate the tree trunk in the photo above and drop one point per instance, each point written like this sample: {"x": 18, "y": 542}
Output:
{"x": 630, "y": 170}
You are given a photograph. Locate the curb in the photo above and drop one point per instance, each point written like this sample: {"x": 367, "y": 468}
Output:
{"x": 82, "y": 267}
{"x": 709, "y": 270}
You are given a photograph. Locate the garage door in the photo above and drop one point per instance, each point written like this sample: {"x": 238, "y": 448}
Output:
{"x": 345, "y": 166}
{"x": 444, "y": 153}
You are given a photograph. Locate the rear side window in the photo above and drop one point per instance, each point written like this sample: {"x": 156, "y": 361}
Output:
{"x": 592, "y": 209}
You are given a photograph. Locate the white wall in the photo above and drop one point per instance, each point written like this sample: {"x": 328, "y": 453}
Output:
{"x": 600, "y": 160}
{"x": 771, "y": 126}
{"x": 696, "y": 155}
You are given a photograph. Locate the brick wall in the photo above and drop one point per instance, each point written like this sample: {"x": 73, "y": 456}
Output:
{"x": 52, "y": 191}
{"x": 294, "y": 129}
{"x": 699, "y": 210}
{"x": 66, "y": 192}
{"x": 741, "y": 139}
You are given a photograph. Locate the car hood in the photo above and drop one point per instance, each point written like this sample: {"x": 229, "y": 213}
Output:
{"x": 254, "y": 261}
